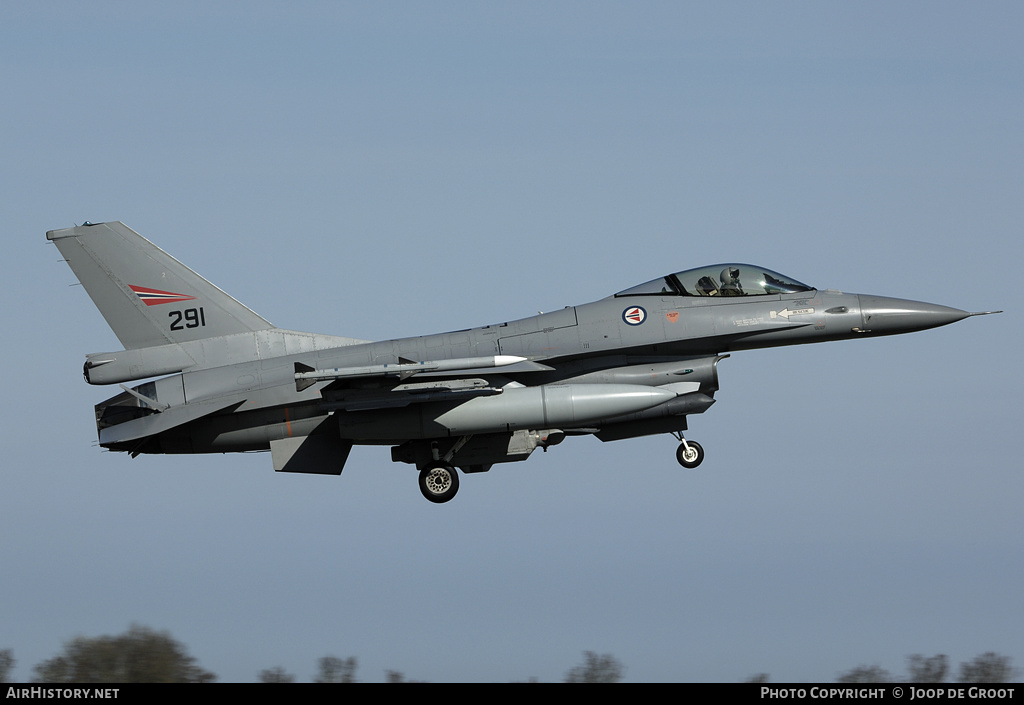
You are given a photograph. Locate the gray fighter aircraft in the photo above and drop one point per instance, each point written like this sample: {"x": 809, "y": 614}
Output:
{"x": 633, "y": 364}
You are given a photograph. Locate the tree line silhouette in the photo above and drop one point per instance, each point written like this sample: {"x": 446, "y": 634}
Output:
{"x": 144, "y": 655}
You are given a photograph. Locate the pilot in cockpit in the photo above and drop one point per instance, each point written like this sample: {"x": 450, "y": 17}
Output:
{"x": 731, "y": 282}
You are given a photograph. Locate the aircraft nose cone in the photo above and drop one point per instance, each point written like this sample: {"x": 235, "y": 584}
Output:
{"x": 882, "y": 315}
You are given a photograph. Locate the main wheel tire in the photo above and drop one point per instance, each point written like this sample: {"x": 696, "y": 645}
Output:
{"x": 690, "y": 457}
{"x": 439, "y": 482}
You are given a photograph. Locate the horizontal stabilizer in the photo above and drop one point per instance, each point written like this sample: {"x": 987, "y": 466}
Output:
{"x": 151, "y": 425}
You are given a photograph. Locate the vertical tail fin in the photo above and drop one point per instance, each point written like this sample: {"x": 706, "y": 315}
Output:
{"x": 147, "y": 297}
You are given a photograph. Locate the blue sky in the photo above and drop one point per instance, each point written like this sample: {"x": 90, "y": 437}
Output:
{"x": 383, "y": 170}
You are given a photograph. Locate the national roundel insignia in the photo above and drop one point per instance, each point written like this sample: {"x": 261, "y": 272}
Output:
{"x": 634, "y": 315}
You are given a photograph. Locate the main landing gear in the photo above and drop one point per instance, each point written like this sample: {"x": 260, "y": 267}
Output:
{"x": 690, "y": 454}
{"x": 439, "y": 482}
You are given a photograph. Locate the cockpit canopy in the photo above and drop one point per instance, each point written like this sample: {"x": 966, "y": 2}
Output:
{"x": 719, "y": 280}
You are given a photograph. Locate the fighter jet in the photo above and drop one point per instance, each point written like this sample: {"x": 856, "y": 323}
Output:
{"x": 636, "y": 363}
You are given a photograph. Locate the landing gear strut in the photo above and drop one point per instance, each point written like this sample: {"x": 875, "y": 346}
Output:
{"x": 439, "y": 482}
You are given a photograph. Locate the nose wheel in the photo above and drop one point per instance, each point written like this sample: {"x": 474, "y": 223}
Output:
{"x": 439, "y": 482}
{"x": 689, "y": 454}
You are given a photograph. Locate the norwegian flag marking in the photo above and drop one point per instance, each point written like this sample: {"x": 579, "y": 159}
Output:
{"x": 153, "y": 297}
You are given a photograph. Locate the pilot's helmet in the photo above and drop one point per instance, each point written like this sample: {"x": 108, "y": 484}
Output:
{"x": 730, "y": 275}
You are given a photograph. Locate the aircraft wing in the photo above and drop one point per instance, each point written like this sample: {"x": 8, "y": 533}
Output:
{"x": 456, "y": 392}
{"x": 306, "y": 376}
{"x": 385, "y": 387}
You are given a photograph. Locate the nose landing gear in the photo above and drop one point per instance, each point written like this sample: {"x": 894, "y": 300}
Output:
{"x": 690, "y": 454}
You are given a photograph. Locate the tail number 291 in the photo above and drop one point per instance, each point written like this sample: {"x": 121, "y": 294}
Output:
{"x": 189, "y": 318}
